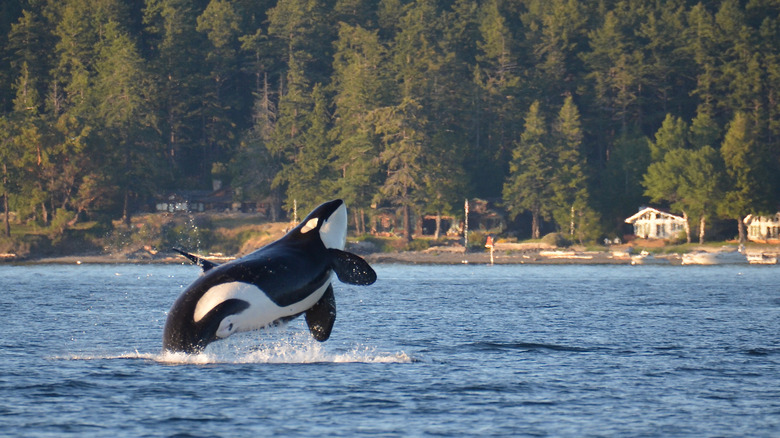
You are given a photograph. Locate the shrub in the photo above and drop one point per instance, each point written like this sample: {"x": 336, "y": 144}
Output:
{"x": 556, "y": 239}
{"x": 418, "y": 245}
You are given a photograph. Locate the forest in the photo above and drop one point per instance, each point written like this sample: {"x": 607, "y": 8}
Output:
{"x": 568, "y": 114}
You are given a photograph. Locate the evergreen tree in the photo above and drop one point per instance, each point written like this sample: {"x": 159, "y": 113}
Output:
{"x": 704, "y": 131}
{"x": 123, "y": 93}
{"x": 30, "y": 59}
{"x": 9, "y": 160}
{"x": 569, "y": 185}
{"x": 404, "y": 124}
{"x": 496, "y": 76}
{"x": 667, "y": 78}
{"x": 672, "y": 135}
{"x": 528, "y": 186}
{"x": 359, "y": 85}
{"x": 308, "y": 176}
{"x": 703, "y": 47}
{"x": 300, "y": 32}
{"x": 253, "y": 167}
{"x": 403, "y": 137}
{"x": 747, "y": 170}
{"x": 616, "y": 68}
{"x": 175, "y": 60}
{"x": 220, "y": 96}
{"x": 620, "y": 188}
{"x": 557, "y": 33}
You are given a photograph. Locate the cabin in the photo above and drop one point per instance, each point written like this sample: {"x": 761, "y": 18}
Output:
{"x": 183, "y": 201}
{"x": 650, "y": 223}
{"x": 762, "y": 228}
{"x": 429, "y": 224}
{"x": 197, "y": 201}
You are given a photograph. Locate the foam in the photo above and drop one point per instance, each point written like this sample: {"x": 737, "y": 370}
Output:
{"x": 285, "y": 349}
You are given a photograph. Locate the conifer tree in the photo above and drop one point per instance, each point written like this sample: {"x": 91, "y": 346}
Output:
{"x": 122, "y": 94}
{"x": 527, "y": 187}
{"x": 220, "y": 95}
{"x": 497, "y": 79}
{"x": 176, "y": 63}
{"x": 359, "y": 85}
{"x": 569, "y": 186}
{"x": 747, "y": 165}
{"x": 308, "y": 175}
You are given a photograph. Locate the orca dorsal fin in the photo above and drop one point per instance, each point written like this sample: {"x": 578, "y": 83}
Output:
{"x": 351, "y": 268}
{"x": 200, "y": 261}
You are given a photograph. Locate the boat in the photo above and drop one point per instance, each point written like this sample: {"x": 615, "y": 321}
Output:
{"x": 760, "y": 258}
{"x": 645, "y": 258}
{"x": 714, "y": 258}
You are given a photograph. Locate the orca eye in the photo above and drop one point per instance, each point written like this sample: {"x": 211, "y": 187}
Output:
{"x": 310, "y": 225}
{"x": 230, "y": 327}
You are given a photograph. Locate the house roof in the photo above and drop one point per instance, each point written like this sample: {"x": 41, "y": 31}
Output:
{"x": 755, "y": 217}
{"x": 647, "y": 210}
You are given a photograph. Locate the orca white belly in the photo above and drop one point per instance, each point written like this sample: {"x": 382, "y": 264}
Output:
{"x": 261, "y": 312}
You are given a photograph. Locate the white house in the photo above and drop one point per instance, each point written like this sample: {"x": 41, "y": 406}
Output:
{"x": 650, "y": 223}
{"x": 762, "y": 228}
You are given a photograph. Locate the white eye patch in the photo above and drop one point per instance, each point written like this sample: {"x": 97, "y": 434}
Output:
{"x": 310, "y": 225}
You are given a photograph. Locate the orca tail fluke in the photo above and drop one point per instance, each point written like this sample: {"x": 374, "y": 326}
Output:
{"x": 197, "y": 260}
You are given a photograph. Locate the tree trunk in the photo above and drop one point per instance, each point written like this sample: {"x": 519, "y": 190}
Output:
{"x": 687, "y": 228}
{"x": 702, "y": 223}
{"x": 437, "y": 233}
{"x": 741, "y": 228}
{"x": 407, "y": 223}
{"x": 7, "y": 215}
{"x": 5, "y": 202}
{"x": 44, "y": 213}
{"x": 535, "y": 233}
{"x": 126, "y": 209}
{"x": 571, "y": 224}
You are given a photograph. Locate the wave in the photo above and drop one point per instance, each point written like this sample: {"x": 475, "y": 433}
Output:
{"x": 525, "y": 346}
{"x": 289, "y": 350}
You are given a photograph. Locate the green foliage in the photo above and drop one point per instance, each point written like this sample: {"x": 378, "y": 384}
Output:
{"x": 418, "y": 245}
{"x": 527, "y": 188}
{"x": 411, "y": 104}
{"x": 556, "y": 239}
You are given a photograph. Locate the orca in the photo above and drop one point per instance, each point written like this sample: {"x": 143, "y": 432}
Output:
{"x": 276, "y": 283}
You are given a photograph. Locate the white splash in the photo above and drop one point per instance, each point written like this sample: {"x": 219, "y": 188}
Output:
{"x": 286, "y": 348}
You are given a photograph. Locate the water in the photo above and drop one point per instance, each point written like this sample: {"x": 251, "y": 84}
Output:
{"x": 426, "y": 351}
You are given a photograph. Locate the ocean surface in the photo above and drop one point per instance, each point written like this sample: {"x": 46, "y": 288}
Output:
{"x": 426, "y": 351}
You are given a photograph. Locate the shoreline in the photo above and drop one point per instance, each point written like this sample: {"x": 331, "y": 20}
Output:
{"x": 403, "y": 257}
{"x": 445, "y": 257}
{"x": 617, "y": 255}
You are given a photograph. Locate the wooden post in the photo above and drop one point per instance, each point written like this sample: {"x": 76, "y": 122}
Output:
{"x": 466, "y": 227}
{"x": 489, "y": 245}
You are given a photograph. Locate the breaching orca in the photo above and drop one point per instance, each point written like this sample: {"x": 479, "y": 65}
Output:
{"x": 276, "y": 283}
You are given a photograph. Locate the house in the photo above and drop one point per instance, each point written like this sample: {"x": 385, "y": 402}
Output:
{"x": 650, "y": 223}
{"x": 195, "y": 201}
{"x": 762, "y": 228}
{"x": 181, "y": 201}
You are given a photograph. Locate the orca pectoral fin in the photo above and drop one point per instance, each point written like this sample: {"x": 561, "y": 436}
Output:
{"x": 200, "y": 261}
{"x": 321, "y": 316}
{"x": 350, "y": 268}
